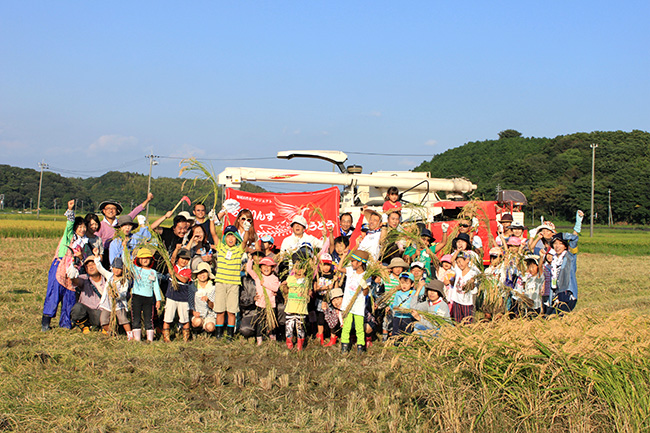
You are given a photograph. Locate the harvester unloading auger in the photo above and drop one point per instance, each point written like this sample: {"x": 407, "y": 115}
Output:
{"x": 358, "y": 189}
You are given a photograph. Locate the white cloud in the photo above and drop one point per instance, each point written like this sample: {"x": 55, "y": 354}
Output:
{"x": 430, "y": 142}
{"x": 187, "y": 151}
{"x": 408, "y": 163}
{"x": 111, "y": 143}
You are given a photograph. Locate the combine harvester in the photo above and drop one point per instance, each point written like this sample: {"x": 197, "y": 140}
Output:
{"x": 358, "y": 190}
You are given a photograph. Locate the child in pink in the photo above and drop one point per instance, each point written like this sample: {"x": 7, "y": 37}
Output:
{"x": 271, "y": 284}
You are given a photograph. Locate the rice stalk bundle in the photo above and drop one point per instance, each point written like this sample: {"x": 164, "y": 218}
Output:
{"x": 409, "y": 234}
{"x": 156, "y": 244}
{"x": 469, "y": 211}
{"x": 316, "y": 210}
{"x": 114, "y": 296}
{"x": 202, "y": 172}
{"x": 491, "y": 292}
{"x": 270, "y": 321}
{"x": 373, "y": 269}
{"x": 417, "y": 212}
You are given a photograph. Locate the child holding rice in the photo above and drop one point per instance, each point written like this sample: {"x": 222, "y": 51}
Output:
{"x": 353, "y": 302}
{"x": 202, "y": 303}
{"x": 119, "y": 285}
{"x": 296, "y": 289}
{"x": 145, "y": 294}
{"x": 177, "y": 302}
{"x": 266, "y": 286}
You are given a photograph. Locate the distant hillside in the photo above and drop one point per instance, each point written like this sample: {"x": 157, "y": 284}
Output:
{"x": 555, "y": 173}
{"x": 19, "y": 185}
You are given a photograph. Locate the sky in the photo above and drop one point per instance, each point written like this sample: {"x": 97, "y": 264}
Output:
{"x": 90, "y": 87}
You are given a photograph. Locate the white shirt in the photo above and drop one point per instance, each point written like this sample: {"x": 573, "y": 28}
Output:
{"x": 293, "y": 243}
{"x": 457, "y": 294}
{"x": 370, "y": 244}
{"x": 352, "y": 280}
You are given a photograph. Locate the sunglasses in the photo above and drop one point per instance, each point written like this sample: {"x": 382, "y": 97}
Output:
{"x": 247, "y": 219}
{"x": 464, "y": 225}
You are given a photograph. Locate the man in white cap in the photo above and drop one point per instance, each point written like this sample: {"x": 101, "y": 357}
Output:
{"x": 298, "y": 237}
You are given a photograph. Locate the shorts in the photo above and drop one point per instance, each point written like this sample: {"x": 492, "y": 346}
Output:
{"x": 105, "y": 317}
{"x": 226, "y": 298}
{"x": 172, "y": 307}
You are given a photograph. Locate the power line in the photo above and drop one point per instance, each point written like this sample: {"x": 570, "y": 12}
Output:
{"x": 220, "y": 159}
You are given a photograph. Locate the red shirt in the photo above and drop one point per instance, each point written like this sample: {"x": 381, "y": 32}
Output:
{"x": 388, "y": 205}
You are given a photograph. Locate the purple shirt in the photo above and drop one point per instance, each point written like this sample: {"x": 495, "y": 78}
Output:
{"x": 91, "y": 292}
{"x": 106, "y": 231}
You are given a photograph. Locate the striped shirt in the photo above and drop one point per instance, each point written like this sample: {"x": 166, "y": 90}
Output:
{"x": 229, "y": 264}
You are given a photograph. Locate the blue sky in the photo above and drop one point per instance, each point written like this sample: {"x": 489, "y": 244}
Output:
{"x": 94, "y": 86}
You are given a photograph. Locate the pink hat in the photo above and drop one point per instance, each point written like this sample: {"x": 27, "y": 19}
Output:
{"x": 267, "y": 261}
{"x": 446, "y": 258}
{"x": 326, "y": 258}
{"x": 514, "y": 241}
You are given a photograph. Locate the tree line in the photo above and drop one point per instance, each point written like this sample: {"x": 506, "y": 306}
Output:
{"x": 20, "y": 185}
{"x": 555, "y": 173}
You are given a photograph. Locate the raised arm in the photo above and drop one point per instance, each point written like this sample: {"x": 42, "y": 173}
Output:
{"x": 160, "y": 220}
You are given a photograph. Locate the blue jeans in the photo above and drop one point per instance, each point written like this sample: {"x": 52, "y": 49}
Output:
{"x": 56, "y": 293}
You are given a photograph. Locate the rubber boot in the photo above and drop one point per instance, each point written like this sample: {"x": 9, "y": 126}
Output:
{"x": 345, "y": 347}
{"x": 129, "y": 335}
{"x": 361, "y": 348}
{"x": 186, "y": 335}
{"x": 321, "y": 338}
{"x": 137, "y": 334}
{"x": 384, "y": 337}
{"x": 230, "y": 333}
{"x": 45, "y": 323}
{"x": 289, "y": 343}
{"x": 368, "y": 341}
{"x": 218, "y": 332}
{"x": 272, "y": 337}
{"x": 150, "y": 334}
{"x": 332, "y": 341}
{"x": 259, "y": 340}
{"x": 301, "y": 343}
{"x": 165, "y": 336}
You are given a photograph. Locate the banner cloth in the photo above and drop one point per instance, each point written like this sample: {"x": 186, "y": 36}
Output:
{"x": 272, "y": 212}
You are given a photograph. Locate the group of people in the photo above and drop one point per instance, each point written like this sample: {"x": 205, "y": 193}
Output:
{"x": 376, "y": 278}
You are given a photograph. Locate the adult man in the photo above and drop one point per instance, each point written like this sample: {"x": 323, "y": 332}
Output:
{"x": 86, "y": 312}
{"x": 370, "y": 242}
{"x": 465, "y": 226}
{"x": 174, "y": 235}
{"x": 205, "y": 222}
{"x": 299, "y": 238}
{"x": 111, "y": 209}
{"x": 345, "y": 222}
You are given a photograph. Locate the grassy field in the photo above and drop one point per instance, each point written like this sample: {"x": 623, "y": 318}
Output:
{"x": 589, "y": 372}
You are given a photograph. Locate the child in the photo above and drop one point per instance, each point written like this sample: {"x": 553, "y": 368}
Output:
{"x": 402, "y": 299}
{"x": 121, "y": 285}
{"x": 321, "y": 288}
{"x": 202, "y": 303}
{"x": 434, "y": 304}
{"x": 353, "y": 279}
{"x": 332, "y": 313}
{"x": 391, "y": 201}
{"x": 341, "y": 248}
{"x": 446, "y": 273}
{"x": 419, "y": 278}
{"x": 269, "y": 283}
{"x": 396, "y": 267}
{"x": 296, "y": 288}
{"x": 145, "y": 294}
{"x": 533, "y": 286}
{"x": 125, "y": 225}
{"x": 178, "y": 297}
{"x": 227, "y": 280}
{"x": 462, "y": 294}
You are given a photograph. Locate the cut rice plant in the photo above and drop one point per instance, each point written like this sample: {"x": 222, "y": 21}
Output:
{"x": 202, "y": 171}
{"x": 156, "y": 244}
{"x": 270, "y": 322}
{"x": 373, "y": 270}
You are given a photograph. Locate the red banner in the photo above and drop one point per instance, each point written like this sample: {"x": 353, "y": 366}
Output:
{"x": 273, "y": 212}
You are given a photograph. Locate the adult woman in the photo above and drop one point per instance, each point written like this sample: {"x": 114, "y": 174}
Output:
{"x": 244, "y": 223}
{"x": 56, "y": 291}
{"x": 94, "y": 241}
{"x": 200, "y": 249}
{"x": 564, "y": 285}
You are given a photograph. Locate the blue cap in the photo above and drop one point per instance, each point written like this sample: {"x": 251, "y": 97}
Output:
{"x": 117, "y": 263}
{"x": 407, "y": 275}
{"x": 230, "y": 229}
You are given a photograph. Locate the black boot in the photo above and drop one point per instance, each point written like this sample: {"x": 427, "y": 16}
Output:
{"x": 345, "y": 347}
{"x": 45, "y": 323}
{"x": 361, "y": 348}
{"x": 230, "y": 332}
{"x": 218, "y": 332}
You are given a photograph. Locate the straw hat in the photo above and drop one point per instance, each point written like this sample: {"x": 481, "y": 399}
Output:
{"x": 398, "y": 262}
{"x": 204, "y": 267}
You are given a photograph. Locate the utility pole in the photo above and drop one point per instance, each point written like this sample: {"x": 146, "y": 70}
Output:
{"x": 55, "y": 213}
{"x": 42, "y": 165}
{"x": 610, "y": 219}
{"x": 152, "y": 162}
{"x": 593, "y": 174}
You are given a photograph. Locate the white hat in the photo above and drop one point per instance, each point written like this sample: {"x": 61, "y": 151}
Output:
{"x": 300, "y": 220}
{"x": 185, "y": 214}
{"x": 417, "y": 265}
